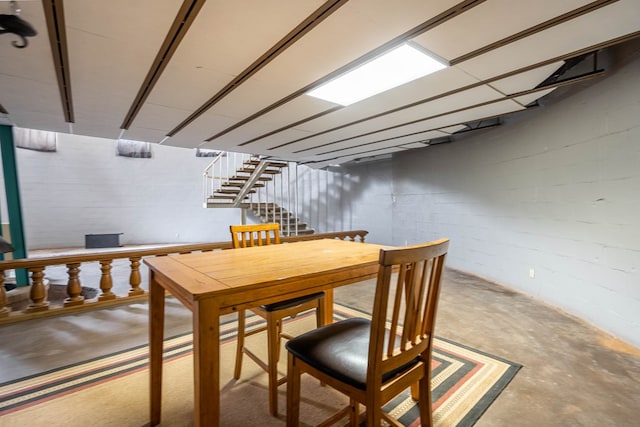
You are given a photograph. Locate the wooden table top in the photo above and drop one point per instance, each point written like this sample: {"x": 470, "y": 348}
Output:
{"x": 195, "y": 276}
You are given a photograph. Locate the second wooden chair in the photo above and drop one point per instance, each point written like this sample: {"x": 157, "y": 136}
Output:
{"x": 244, "y": 236}
{"x": 372, "y": 361}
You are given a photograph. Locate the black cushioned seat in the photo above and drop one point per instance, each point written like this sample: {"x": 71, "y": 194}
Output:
{"x": 281, "y": 305}
{"x": 341, "y": 350}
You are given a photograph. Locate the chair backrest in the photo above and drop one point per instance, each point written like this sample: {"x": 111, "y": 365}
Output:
{"x": 243, "y": 236}
{"x": 405, "y": 304}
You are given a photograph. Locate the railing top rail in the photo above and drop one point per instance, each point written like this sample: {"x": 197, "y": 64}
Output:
{"x": 110, "y": 255}
{"x": 214, "y": 161}
{"x": 157, "y": 251}
{"x": 352, "y": 234}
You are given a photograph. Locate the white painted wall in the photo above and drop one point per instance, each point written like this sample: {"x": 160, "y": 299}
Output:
{"x": 84, "y": 188}
{"x": 336, "y": 200}
{"x": 556, "y": 194}
{"x": 368, "y": 197}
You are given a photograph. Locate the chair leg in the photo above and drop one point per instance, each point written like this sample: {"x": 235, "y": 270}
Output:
{"x": 239, "y": 344}
{"x": 321, "y": 319}
{"x": 424, "y": 403}
{"x": 279, "y": 335}
{"x": 373, "y": 409}
{"x": 273, "y": 340}
{"x": 354, "y": 415}
{"x": 293, "y": 392}
{"x": 415, "y": 391}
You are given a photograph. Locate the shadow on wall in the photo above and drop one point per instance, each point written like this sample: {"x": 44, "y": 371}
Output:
{"x": 361, "y": 197}
{"x": 323, "y": 198}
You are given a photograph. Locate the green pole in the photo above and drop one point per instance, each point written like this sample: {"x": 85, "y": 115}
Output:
{"x": 12, "y": 190}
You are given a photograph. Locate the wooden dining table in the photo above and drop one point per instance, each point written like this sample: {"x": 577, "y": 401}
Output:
{"x": 215, "y": 283}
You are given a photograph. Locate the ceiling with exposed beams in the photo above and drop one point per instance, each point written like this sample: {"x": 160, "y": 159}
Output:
{"x": 233, "y": 75}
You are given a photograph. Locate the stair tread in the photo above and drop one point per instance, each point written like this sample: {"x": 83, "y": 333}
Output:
{"x": 240, "y": 185}
{"x": 277, "y": 211}
{"x": 272, "y": 163}
{"x": 232, "y": 191}
{"x": 267, "y": 171}
{"x": 225, "y": 197}
{"x": 246, "y": 178}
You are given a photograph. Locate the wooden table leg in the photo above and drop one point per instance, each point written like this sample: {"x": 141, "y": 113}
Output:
{"x": 328, "y": 305}
{"x": 206, "y": 363}
{"x": 156, "y": 335}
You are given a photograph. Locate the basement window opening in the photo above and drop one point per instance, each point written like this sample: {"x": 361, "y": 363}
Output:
{"x": 206, "y": 152}
{"x": 134, "y": 149}
{"x": 36, "y": 140}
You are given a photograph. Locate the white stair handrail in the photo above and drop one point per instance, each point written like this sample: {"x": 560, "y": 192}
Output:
{"x": 220, "y": 170}
{"x": 208, "y": 177}
{"x": 283, "y": 197}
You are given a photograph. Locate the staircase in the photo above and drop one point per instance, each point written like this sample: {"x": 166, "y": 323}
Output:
{"x": 290, "y": 225}
{"x": 235, "y": 190}
{"x": 250, "y": 183}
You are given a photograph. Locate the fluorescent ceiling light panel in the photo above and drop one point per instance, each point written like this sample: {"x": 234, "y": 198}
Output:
{"x": 396, "y": 67}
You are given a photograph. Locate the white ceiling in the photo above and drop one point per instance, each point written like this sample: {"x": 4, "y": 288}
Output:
{"x": 233, "y": 74}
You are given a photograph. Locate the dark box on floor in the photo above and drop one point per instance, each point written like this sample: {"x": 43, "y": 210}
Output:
{"x": 102, "y": 240}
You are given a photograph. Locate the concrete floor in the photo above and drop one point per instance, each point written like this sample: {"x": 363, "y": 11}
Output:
{"x": 572, "y": 375}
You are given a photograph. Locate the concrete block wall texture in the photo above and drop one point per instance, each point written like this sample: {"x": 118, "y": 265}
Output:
{"x": 369, "y": 198}
{"x": 84, "y": 188}
{"x": 547, "y": 204}
{"x": 329, "y": 201}
{"x": 554, "y": 194}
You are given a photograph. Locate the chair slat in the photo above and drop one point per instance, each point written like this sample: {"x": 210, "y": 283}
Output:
{"x": 395, "y": 314}
{"x": 421, "y": 304}
{"x": 249, "y": 235}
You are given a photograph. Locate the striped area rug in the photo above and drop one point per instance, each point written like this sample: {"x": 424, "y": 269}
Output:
{"x": 112, "y": 390}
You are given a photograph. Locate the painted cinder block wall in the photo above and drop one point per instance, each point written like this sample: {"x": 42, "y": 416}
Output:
{"x": 84, "y": 188}
{"x": 333, "y": 199}
{"x": 554, "y": 194}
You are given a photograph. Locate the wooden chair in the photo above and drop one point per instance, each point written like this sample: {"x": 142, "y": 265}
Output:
{"x": 244, "y": 236}
{"x": 357, "y": 357}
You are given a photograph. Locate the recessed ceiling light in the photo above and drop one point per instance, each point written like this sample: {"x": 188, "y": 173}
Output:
{"x": 396, "y": 67}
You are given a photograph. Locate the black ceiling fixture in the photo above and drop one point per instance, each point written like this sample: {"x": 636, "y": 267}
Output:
{"x": 13, "y": 24}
